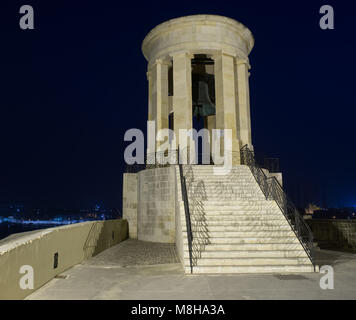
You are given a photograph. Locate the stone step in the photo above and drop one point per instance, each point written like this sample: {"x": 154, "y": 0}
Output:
{"x": 199, "y": 206}
{"x": 223, "y": 207}
{"x": 255, "y": 203}
{"x": 200, "y": 210}
{"x": 215, "y": 177}
{"x": 212, "y": 172}
{"x": 200, "y": 194}
{"x": 251, "y": 269}
{"x": 221, "y": 173}
{"x": 222, "y": 198}
{"x": 261, "y": 203}
{"x": 250, "y": 261}
{"x": 203, "y": 212}
{"x": 251, "y": 182}
{"x": 201, "y": 179}
{"x": 212, "y": 166}
{"x": 188, "y": 172}
{"x": 221, "y": 189}
{"x": 218, "y": 173}
{"x": 242, "y": 225}
{"x": 252, "y": 254}
{"x": 247, "y": 240}
{"x": 204, "y": 218}
{"x": 204, "y": 167}
{"x": 203, "y": 232}
{"x": 252, "y": 246}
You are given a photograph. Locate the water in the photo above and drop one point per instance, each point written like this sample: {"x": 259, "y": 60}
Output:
{"x": 7, "y": 228}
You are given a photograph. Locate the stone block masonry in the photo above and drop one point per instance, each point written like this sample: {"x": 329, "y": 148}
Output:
{"x": 129, "y": 203}
{"x": 334, "y": 234}
{"x": 149, "y": 204}
{"x": 156, "y": 206}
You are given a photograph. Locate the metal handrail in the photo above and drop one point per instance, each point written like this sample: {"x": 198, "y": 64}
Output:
{"x": 187, "y": 215}
{"x": 272, "y": 189}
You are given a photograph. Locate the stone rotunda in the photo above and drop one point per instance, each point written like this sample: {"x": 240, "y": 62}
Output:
{"x": 198, "y": 70}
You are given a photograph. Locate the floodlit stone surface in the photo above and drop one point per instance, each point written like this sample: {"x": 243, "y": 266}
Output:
{"x": 149, "y": 204}
{"x": 120, "y": 273}
{"x": 235, "y": 229}
{"x": 129, "y": 202}
{"x": 196, "y": 33}
{"x": 72, "y": 243}
{"x": 173, "y": 44}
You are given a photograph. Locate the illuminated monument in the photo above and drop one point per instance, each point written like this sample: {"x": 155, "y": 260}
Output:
{"x": 240, "y": 222}
{"x": 198, "y": 68}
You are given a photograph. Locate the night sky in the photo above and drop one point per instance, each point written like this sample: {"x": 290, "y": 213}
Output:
{"x": 73, "y": 86}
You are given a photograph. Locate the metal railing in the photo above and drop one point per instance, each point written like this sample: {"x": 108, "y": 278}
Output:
{"x": 272, "y": 190}
{"x": 187, "y": 215}
{"x": 196, "y": 191}
{"x": 270, "y": 187}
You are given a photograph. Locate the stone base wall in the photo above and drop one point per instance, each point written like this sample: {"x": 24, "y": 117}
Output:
{"x": 129, "y": 202}
{"x": 334, "y": 234}
{"x": 156, "y": 205}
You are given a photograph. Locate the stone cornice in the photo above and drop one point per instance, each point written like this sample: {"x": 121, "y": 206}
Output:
{"x": 205, "y": 32}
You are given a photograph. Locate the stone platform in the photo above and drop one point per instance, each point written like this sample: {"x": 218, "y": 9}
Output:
{"x": 141, "y": 270}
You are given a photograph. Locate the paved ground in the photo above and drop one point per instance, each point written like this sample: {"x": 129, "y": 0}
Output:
{"x": 126, "y": 271}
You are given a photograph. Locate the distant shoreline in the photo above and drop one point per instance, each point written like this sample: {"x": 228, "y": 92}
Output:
{"x": 7, "y": 229}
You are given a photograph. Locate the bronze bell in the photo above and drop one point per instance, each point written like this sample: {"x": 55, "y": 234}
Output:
{"x": 202, "y": 103}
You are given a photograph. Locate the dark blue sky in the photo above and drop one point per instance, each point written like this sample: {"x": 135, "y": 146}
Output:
{"x": 73, "y": 86}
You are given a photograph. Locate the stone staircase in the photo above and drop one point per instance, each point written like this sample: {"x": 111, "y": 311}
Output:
{"x": 235, "y": 229}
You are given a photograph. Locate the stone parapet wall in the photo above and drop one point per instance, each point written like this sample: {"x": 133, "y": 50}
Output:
{"x": 71, "y": 244}
{"x": 334, "y": 234}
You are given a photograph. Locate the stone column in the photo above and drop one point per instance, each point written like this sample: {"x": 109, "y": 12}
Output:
{"x": 182, "y": 95}
{"x": 225, "y": 100}
{"x": 243, "y": 101}
{"x": 150, "y": 148}
{"x": 149, "y": 79}
{"x": 211, "y": 126}
{"x": 159, "y": 96}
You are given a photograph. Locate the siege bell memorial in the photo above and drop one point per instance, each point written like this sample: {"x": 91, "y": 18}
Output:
{"x": 239, "y": 222}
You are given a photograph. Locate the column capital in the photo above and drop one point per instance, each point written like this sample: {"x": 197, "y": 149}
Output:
{"x": 188, "y": 54}
{"x": 222, "y": 53}
{"x": 239, "y": 61}
{"x": 160, "y": 61}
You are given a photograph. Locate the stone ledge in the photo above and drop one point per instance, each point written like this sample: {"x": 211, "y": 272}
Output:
{"x": 73, "y": 244}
